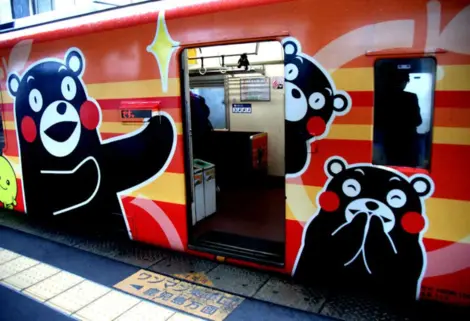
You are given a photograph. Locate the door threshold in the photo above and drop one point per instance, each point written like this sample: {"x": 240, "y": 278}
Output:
{"x": 254, "y": 250}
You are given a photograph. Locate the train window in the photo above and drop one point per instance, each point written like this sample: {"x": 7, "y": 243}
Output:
{"x": 403, "y": 111}
{"x": 215, "y": 100}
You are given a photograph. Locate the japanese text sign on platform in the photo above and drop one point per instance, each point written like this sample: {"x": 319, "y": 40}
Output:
{"x": 191, "y": 298}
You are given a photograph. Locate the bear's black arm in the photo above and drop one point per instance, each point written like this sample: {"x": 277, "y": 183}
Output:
{"x": 70, "y": 189}
{"x": 131, "y": 160}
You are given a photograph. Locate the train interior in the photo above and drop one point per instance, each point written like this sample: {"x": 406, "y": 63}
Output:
{"x": 235, "y": 156}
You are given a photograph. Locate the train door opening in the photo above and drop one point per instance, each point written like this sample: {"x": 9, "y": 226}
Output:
{"x": 235, "y": 145}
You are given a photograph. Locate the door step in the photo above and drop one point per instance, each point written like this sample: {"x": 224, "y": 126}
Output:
{"x": 241, "y": 247}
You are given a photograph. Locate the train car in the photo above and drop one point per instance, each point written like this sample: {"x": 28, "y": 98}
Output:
{"x": 340, "y": 153}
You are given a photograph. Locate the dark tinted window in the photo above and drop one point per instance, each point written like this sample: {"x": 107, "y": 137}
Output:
{"x": 403, "y": 111}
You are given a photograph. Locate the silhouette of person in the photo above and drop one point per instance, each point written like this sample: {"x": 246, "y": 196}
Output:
{"x": 201, "y": 127}
{"x": 399, "y": 118}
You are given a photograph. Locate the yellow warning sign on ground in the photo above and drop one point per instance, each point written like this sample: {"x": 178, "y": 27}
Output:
{"x": 191, "y": 298}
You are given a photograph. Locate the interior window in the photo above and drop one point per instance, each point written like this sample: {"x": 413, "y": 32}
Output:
{"x": 403, "y": 111}
{"x": 215, "y": 100}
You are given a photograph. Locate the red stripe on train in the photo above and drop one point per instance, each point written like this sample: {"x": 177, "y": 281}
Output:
{"x": 164, "y": 102}
{"x": 449, "y": 165}
{"x": 110, "y": 104}
{"x": 442, "y": 99}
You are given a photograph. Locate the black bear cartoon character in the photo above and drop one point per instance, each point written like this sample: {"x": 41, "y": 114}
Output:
{"x": 312, "y": 102}
{"x": 66, "y": 165}
{"x": 367, "y": 231}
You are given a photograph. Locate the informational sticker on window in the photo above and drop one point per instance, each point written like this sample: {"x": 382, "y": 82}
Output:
{"x": 277, "y": 82}
{"x": 241, "y": 108}
{"x": 191, "y": 298}
{"x": 255, "y": 89}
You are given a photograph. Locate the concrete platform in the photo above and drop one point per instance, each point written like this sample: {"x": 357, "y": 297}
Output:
{"x": 45, "y": 280}
{"x": 120, "y": 259}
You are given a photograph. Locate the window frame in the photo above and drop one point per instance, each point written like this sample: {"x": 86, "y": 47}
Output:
{"x": 35, "y": 20}
{"x": 425, "y": 169}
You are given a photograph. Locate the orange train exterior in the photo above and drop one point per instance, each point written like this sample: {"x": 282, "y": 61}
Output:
{"x": 79, "y": 73}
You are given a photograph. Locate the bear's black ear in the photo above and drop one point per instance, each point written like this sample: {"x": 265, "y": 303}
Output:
{"x": 13, "y": 84}
{"x": 335, "y": 165}
{"x": 291, "y": 47}
{"x": 340, "y": 103}
{"x": 422, "y": 185}
{"x": 75, "y": 61}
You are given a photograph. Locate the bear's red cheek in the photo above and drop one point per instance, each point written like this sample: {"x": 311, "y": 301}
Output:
{"x": 89, "y": 115}
{"x": 316, "y": 126}
{"x": 329, "y": 201}
{"x": 412, "y": 222}
{"x": 28, "y": 129}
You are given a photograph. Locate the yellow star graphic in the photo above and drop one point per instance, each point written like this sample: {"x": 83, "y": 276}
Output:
{"x": 162, "y": 49}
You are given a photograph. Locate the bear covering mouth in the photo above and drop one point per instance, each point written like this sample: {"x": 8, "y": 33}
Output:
{"x": 356, "y": 218}
{"x": 368, "y": 230}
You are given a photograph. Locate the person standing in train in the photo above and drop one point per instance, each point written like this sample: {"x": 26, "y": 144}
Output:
{"x": 201, "y": 127}
{"x": 399, "y": 122}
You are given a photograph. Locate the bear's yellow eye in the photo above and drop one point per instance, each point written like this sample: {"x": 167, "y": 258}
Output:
{"x": 8, "y": 182}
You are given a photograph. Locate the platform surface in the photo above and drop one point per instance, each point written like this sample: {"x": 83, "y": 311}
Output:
{"x": 45, "y": 280}
{"x": 59, "y": 273}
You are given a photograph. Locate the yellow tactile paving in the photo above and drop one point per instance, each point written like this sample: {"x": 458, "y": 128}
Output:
{"x": 15, "y": 266}
{"x": 146, "y": 311}
{"x": 53, "y": 286}
{"x": 6, "y": 256}
{"x": 31, "y": 276}
{"x": 85, "y": 300}
{"x": 107, "y": 307}
{"x": 78, "y": 296}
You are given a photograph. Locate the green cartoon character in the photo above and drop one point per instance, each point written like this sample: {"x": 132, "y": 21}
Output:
{"x": 8, "y": 187}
